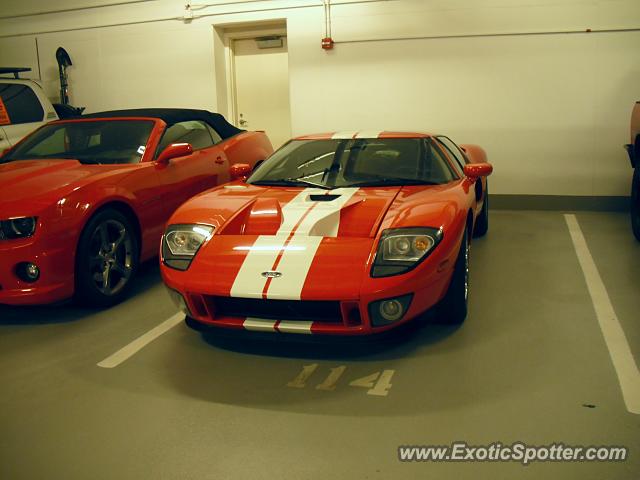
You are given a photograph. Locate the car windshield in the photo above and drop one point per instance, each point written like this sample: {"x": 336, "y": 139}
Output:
{"x": 362, "y": 162}
{"x": 90, "y": 142}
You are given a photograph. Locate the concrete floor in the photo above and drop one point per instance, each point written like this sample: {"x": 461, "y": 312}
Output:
{"x": 527, "y": 359}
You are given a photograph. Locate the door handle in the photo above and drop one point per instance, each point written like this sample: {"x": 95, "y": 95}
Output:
{"x": 219, "y": 160}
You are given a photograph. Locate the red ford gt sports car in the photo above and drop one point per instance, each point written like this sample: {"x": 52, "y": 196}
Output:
{"x": 83, "y": 201}
{"x": 347, "y": 233}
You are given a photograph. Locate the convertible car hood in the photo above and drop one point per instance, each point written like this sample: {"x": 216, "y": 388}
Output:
{"x": 35, "y": 184}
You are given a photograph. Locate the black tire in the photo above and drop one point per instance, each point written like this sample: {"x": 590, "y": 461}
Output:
{"x": 107, "y": 259}
{"x": 482, "y": 222}
{"x": 452, "y": 309}
{"x": 635, "y": 203}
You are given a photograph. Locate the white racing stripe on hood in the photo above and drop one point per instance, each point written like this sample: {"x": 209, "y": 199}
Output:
{"x": 294, "y": 266}
{"x": 369, "y": 134}
{"x": 343, "y": 135}
{"x": 249, "y": 281}
{"x": 321, "y": 221}
{"x": 314, "y": 220}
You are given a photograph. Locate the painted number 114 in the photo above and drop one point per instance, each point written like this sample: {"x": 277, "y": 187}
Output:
{"x": 378, "y": 383}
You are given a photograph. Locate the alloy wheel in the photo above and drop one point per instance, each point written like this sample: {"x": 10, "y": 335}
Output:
{"x": 111, "y": 257}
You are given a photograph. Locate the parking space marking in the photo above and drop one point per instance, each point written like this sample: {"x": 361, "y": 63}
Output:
{"x": 329, "y": 383}
{"x": 614, "y": 336}
{"x": 378, "y": 383}
{"x": 139, "y": 343}
{"x": 301, "y": 380}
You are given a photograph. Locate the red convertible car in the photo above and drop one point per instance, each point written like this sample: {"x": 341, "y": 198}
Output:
{"x": 84, "y": 201}
{"x": 347, "y": 234}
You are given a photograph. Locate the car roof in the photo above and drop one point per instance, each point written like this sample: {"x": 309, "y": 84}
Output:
{"x": 174, "y": 115}
{"x": 363, "y": 134}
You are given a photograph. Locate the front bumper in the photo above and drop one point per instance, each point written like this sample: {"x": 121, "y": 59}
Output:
{"x": 55, "y": 262}
{"x": 209, "y": 308}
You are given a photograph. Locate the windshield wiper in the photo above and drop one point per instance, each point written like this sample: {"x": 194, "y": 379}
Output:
{"x": 291, "y": 181}
{"x": 391, "y": 181}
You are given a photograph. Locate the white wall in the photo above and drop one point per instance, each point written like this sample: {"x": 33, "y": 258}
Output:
{"x": 552, "y": 110}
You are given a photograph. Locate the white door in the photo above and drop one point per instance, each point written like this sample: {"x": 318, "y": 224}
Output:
{"x": 262, "y": 89}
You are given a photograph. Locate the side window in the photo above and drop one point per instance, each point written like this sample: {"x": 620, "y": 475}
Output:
{"x": 53, "y": 143}
{"x": 437, "y": 168}
{"x": 19, "y": 104}
{"x": 380, "y": 158}
{"x": 194, "y": 132}
{"x": 215, "y": 135}
{"x": 455, "y": 152}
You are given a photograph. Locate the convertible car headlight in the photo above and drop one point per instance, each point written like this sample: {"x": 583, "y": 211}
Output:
{"x": 181, "y": 243}
{"x": 402, "y": 249}
{"x": 21, "y": 227}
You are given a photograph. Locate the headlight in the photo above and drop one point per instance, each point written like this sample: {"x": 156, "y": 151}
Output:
{"x": 17, "y": 228}
{"x": 401, "y": 249}
{"x": 181, "y": 243}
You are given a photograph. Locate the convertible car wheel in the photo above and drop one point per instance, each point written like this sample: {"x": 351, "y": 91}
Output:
{"x": 635, "y": 203}
{"x": 107, "y": 259}
{"x": 452, "y": 309}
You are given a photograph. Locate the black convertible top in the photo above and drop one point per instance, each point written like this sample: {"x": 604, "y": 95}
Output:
{"x": 175, "y": 115}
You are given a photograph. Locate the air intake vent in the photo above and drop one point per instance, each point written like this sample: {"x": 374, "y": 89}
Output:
{"x": 319, "y": 311}
{"x": 323, "y": 198}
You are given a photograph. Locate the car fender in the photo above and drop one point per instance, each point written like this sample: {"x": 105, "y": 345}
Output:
{"x": 75, "y": 210}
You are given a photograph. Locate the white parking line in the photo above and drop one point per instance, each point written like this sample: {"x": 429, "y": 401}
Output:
{"x": 139, "y": 343}
{"x": 614, "y": 337}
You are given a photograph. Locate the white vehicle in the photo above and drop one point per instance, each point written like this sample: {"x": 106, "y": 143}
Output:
{"x": 23, "y": 107}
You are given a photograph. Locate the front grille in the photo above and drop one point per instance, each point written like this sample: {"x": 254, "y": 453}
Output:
{"x": 317, "y": 311}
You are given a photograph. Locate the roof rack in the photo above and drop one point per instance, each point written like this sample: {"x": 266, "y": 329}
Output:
{"x": 15, "y": 70}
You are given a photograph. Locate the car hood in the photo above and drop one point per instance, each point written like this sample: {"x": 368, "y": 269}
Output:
{"x": 246, "y": 210}
{"x": 317, "y": 243}
{"x": 30, "y": 185}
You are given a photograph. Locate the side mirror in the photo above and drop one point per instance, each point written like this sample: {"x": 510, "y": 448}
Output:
{"x": 240, "y": 171}
{"x": 175, "y": 150}
{"x": 475, "y": 153}
{"x": 477, "y": 170}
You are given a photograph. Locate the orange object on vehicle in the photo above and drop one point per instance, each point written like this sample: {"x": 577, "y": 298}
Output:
{"x": 4, "y": 115}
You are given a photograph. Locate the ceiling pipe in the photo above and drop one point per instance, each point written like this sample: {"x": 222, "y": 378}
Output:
{"x": 586, "y": 31}
{"x": 75, "y": 9}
